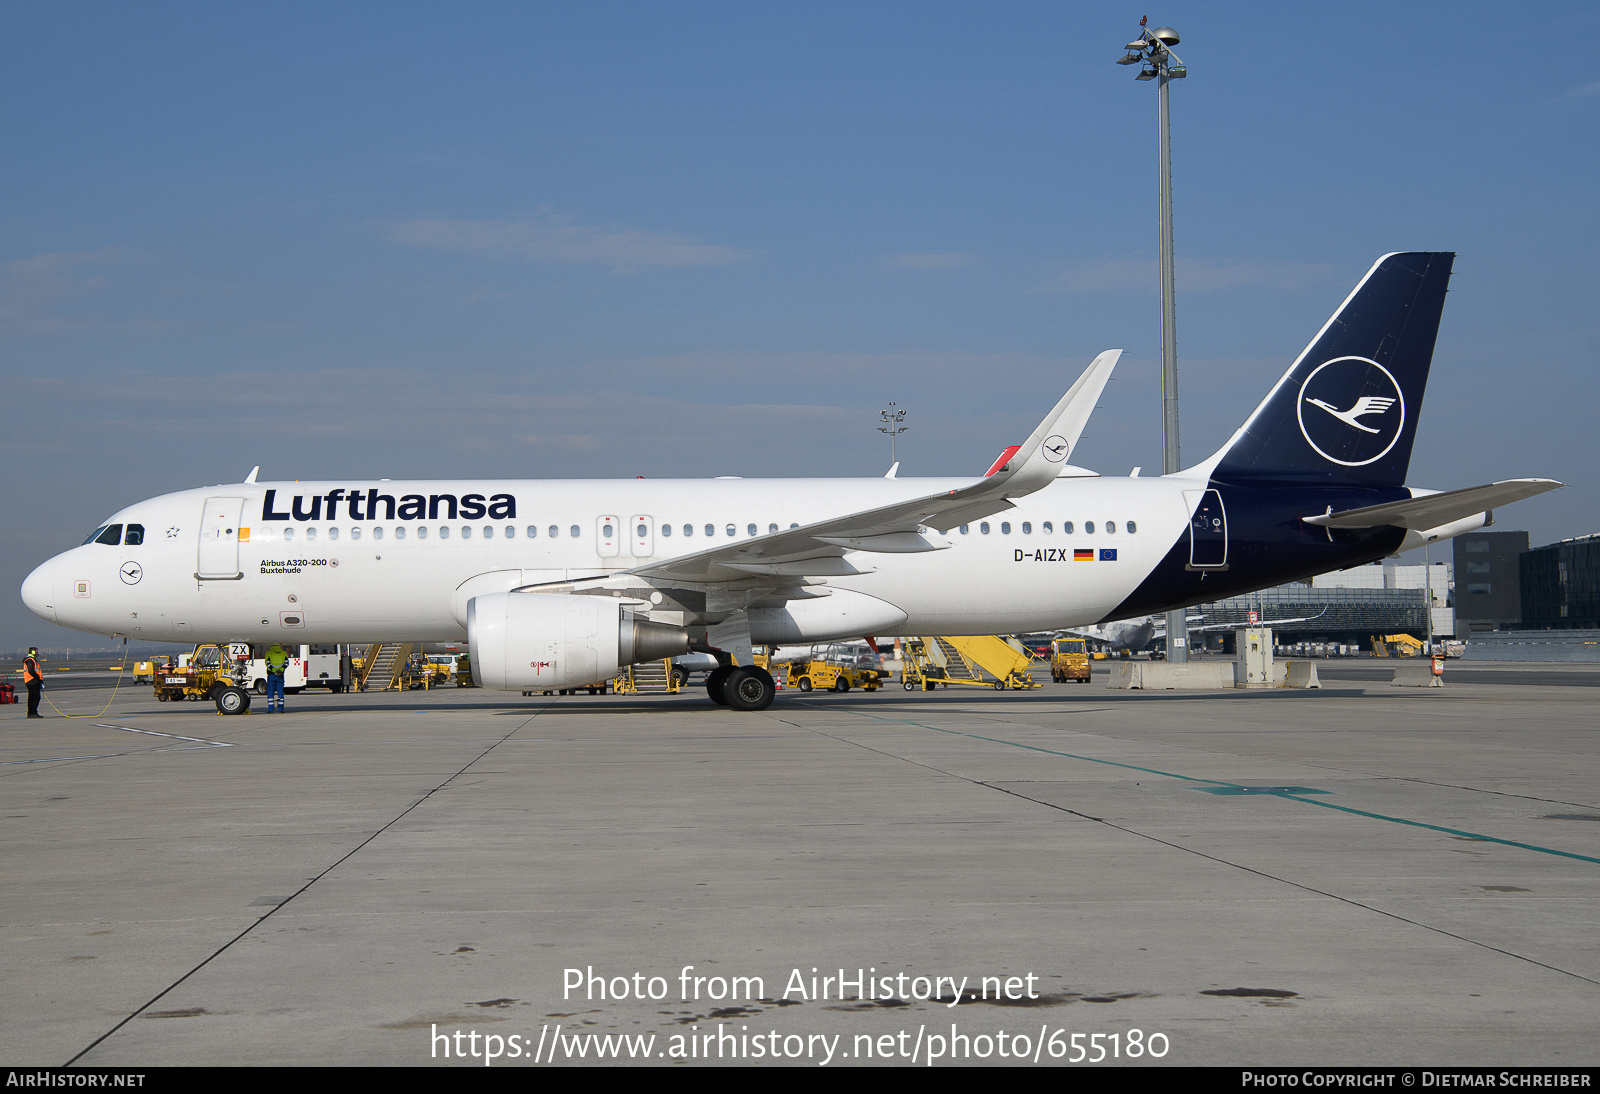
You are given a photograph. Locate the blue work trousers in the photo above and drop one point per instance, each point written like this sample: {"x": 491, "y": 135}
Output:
{"x": 274, "y": 690}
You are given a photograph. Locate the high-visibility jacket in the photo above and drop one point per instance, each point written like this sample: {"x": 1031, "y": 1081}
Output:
{"x": 30, "y": 672}
{"x": 277, "y": 661}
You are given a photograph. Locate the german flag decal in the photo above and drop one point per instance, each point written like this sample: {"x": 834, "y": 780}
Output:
{"x": 1108, "y": 554}
{"x": 1083, "y": 555}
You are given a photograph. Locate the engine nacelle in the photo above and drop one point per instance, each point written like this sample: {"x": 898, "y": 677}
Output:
{"x": 522, "y": 641}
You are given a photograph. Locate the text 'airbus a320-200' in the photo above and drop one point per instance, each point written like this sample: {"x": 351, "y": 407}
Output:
{"x": 556, "y": 584}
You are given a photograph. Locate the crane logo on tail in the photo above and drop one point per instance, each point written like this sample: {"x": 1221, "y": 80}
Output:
{"x": 1357, "y": 411}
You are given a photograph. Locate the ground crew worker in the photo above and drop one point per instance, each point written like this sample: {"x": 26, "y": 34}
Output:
{"x": 34, "y": 679}
{"x": 277, "y": 661}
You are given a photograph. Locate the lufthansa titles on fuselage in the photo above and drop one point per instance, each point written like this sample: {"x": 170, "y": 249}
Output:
{"x": 365, "y": 506}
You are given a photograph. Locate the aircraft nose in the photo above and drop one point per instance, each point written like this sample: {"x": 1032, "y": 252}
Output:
{"x": 39, "y": 592}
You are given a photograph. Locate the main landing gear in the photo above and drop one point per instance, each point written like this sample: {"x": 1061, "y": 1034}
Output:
{"x": 747, "y": 687}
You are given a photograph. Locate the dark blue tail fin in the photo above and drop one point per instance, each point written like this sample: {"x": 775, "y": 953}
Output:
{"x": 1346, "y": 411}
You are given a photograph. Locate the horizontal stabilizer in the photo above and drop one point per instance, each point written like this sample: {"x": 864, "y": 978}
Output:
{"x": 1433, "y": 510}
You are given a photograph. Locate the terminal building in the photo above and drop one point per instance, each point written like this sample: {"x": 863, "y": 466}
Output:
{"x": 1488, "y": 565}
{"x": 1348, "y": 607}
{"x": 1560, "y": 585}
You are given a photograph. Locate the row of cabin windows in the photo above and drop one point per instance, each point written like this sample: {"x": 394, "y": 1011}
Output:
{"x": 1109, "y": 527}
{"x": 711, "y": 529}
{"x": 489, "y": 531}
{"x": 114, "y": 535}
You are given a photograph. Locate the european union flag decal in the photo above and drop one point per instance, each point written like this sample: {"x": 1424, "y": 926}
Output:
{"x": 1108, "y": 554}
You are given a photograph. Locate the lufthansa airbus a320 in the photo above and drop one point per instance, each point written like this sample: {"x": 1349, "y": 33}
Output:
{"x": 559, "y": 583}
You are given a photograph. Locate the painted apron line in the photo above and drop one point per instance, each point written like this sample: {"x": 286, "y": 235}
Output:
{"x": 1238, "y": 786}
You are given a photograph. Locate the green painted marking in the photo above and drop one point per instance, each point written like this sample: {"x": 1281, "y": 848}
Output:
{"x": 1219, "y": 786}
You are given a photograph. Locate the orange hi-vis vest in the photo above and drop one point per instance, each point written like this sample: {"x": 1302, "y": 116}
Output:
{"x": 30, "y": 672}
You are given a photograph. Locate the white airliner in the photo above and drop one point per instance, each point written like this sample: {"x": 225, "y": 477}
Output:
{"x": 558, "y": 583}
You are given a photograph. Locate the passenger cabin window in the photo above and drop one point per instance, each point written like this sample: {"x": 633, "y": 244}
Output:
{"x": 1088, "y": 527}
{"x": 1066, "y": 527}
{"x": 711, "y": 529}
{"x": 111, "y": 537}
{"x": 642, "y": 530}
{"x": 466, "y": 531}
{"x": 533, "y": 531}
{"x": 688, "y": 529}
{"x": 355, "y": 533}
{"x": 444, "y": 532}
{"x": 400, "y": 533}
{"x": 771, "y": 528}
{"x": 730, "y": 529}
{"x": 554, "y": 531}
{"x": 984, "y": 527}
{"x": 1111, "y": 526}
{"x": 750, "y": 529}
{"x": 963, "y": 529}
{"x": 666, "y": 529}
{"x": 135, "y": 535}
{"x": 1132, "y": 527}
{"x": 333, "y": 533}
{"x": 606, "y": 530}
{"x": 575, "y": 532}
{"x": 1005, "y": 528}
{"x": 311, "y": 535}
{"x": 1027, "y": 528}
{"x": 1047, "y": 528}
{"x": 288, "y": 535}
{"x": 488, "y": 531}
{"x": 422, "y": 533}
{"x": 377, "y": 533}
{"x": 511, "y": 531}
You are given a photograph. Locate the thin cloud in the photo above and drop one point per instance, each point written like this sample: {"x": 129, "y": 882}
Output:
{"x": 554, "y": 239}
{"x": 32, "y": 290}
{"x": 951, "y": 261}
{"x": 1196, "y": 275}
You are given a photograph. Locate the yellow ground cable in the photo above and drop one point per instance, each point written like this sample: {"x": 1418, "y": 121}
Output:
{"x": 114, "y": 687}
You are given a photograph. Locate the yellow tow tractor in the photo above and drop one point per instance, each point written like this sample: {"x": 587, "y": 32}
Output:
{"x": 1069, "y": 660}
{"x": 213, "y": 672}
{"x": 825, "y": 675}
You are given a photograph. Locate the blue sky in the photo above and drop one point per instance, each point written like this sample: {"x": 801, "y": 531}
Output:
{"x": 591, "y": 239}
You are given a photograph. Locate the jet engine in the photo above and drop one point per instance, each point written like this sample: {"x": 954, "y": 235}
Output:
{"x": 522, "y": 641}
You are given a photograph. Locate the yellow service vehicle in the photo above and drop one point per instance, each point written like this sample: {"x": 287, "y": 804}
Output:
{"x": 935, "y": 661}
{"x": 832, "y": 676}
{"x": 213, "y": 672}
{"x": 1069, "y": 660}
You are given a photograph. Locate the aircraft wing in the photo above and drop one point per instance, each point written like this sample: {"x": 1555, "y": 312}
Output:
{"x": 774, "y": 567}
{"x": 1261, "y": 623}
{"x": 1433, "y": 510}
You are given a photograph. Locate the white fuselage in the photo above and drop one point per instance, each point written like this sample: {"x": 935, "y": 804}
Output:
{"x": 344, "y": 576}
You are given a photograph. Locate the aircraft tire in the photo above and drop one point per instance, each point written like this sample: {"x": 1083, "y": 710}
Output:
{"x": 232, "y": 700}
{"x": 714, "y": 681}
{"x": 749, "y": 688}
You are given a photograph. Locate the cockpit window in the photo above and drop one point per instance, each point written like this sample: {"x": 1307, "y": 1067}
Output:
{"x": 135, "y": 535}
{"x": 111, "y": 537}
{"x": 94, "y": 535}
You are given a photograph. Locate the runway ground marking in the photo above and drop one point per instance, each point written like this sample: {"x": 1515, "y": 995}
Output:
{"x": 1239, "y": 786}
